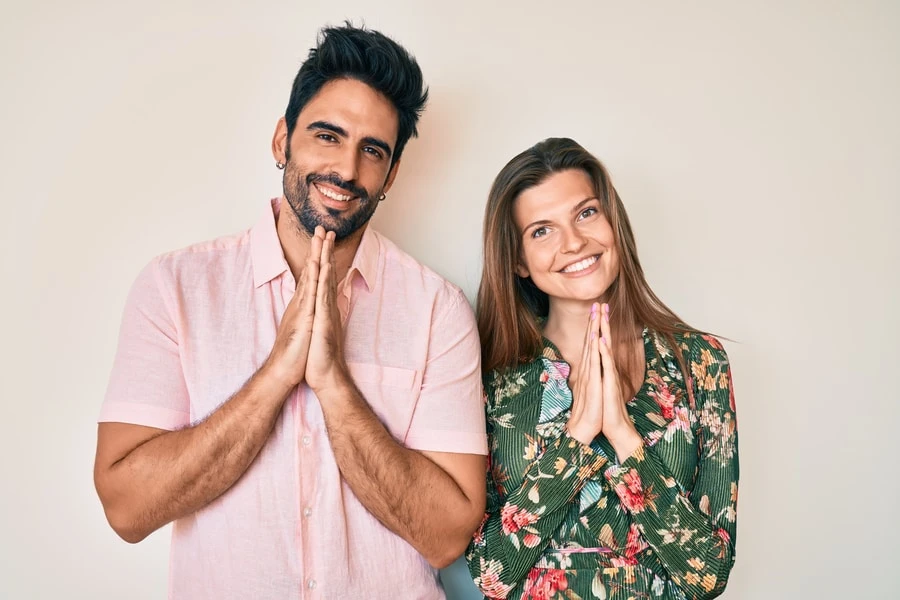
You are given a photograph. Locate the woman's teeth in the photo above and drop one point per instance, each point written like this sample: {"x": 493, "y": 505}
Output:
{"x": 581, "y": 265}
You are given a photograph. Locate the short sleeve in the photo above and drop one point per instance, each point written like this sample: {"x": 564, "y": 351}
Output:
{"x": 449, "y": 414}
{"x": 147, "y": 385}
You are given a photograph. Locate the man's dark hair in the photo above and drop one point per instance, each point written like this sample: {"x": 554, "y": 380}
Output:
{"x": 369, "y": 57}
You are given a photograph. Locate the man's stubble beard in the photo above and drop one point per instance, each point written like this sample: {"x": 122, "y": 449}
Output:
{"x": 296, "y": 189}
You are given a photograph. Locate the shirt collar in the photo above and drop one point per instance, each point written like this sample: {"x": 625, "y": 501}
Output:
{"x": 366, "y": 260}
{"x": 268, "y": 256}
{"x": 265, "y": 247}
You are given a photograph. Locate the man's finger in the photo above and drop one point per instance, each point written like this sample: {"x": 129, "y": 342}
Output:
{"x": 326, "y": 273}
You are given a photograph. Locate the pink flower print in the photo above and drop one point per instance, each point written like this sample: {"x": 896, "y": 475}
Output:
{"x": 514, "y": 518}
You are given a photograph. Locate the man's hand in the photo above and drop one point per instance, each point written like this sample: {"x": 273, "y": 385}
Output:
{"x": 325, "y": 366}
{"x": 287, "y": 361}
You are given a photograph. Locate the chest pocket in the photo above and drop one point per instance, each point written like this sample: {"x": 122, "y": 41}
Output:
{"x": 391, "y": 393}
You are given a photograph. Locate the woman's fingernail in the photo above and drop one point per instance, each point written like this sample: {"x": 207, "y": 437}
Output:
{"x": 603, "y": 339}
{"x": 593, "y": 334}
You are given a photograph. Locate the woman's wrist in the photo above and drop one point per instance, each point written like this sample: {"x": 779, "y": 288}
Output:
{"x": 625, "y": 441}
{"x": 580, "y": 434}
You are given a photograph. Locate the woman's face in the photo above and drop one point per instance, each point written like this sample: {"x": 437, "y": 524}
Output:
{"x": 568, "y": 248}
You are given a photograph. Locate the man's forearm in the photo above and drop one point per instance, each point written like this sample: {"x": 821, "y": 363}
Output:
{"x": 408, "y": 493}
{"x": 176, "y": 473}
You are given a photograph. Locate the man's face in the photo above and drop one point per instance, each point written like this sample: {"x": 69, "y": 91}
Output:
{"x": 338, "y": 161}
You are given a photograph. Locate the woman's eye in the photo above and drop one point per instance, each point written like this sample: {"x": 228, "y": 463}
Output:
{"x": 587, "y": 213}
{"x": 539, "y": 232}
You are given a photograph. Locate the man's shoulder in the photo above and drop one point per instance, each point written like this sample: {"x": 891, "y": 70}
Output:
{"x": 224, "y": 252}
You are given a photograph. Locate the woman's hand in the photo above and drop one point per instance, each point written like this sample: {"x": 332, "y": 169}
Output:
{"x": 616, "y": 425}
{"x": 586, "y": 419}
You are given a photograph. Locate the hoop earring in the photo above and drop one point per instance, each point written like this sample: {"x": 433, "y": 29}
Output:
{"x": 382, "y": 197}
{"x": 279, "y": 165}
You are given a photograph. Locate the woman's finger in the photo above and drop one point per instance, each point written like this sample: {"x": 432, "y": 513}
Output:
{"x": 610, "y": 378}
{"x": 585, "y": 347}
{"x": 585, "y": 351}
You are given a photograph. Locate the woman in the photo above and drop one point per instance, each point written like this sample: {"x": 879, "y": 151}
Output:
{"x": 590, "y": 496}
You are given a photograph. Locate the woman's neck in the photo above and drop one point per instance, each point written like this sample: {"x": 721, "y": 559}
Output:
{"x": 566, "y": 324}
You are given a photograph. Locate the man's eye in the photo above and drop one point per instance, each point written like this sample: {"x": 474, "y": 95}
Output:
{"x": 327, "y": 137}
{"x": 373, "y": 151}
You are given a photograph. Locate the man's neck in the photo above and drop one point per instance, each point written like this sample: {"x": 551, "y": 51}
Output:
{"x": 295, "y": 243}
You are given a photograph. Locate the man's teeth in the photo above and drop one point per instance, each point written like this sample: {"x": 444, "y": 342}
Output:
{"x": 333, "y": 195}
{"x": 580, "y": 265}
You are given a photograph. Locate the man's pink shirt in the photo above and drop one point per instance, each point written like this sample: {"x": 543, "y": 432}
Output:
{"x": 200, "y": 321}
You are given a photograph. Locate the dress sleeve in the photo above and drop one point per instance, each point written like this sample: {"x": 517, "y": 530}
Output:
{"x": 517, "y": 528}
{"x": 692, "y": 531}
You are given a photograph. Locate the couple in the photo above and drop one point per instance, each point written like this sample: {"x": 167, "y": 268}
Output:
{"x": 304, "y": 400}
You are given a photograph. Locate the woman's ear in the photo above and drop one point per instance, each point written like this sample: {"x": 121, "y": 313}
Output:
{"x": 522, "y": 271}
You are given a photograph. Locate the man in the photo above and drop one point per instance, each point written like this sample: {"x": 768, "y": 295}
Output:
{"x": 303, "y": 399}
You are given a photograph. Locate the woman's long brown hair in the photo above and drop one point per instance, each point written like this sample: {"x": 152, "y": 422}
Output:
{"x": 509, "y": 307}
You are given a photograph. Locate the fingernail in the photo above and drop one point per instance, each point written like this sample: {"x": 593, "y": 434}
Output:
{"x": 603, "y": 339}
{"x": 606, "y": 308}
{"x": 593, "y": 334}
{"x": 606, "y": 317}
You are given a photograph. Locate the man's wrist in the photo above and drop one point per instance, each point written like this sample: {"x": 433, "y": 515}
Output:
{"x": 275, "y": 380}
{"x": 335, "y": 382}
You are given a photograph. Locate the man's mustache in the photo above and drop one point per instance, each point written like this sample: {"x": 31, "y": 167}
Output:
{"x": 336, "y": 181}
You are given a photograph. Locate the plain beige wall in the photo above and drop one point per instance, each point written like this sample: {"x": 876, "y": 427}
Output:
{"x": 756, "y": 146}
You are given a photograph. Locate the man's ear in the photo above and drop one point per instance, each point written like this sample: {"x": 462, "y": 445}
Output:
{"x": 390, "y": 177}
{"x": 280, "y": 142}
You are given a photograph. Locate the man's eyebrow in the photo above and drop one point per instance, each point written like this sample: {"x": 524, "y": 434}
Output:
{"x": 337, "y": 129}
{"x": 328, "y": 127}
{"x": 380, "y": 144}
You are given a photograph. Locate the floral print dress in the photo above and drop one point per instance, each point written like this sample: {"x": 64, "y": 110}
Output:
{"x": 565, "y": 520}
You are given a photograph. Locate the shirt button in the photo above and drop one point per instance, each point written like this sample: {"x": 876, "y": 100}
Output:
{"x": 311, "y": 584}
{"x": 307, "y": 511}
{"x": 306, "y": 440}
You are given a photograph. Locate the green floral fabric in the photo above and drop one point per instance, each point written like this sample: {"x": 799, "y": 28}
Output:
{"x": 565, "y": 520}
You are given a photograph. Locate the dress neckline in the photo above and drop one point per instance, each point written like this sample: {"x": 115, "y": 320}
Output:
{"x": 551, "y": 352}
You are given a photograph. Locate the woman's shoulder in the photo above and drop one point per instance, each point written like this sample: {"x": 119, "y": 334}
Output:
{"x": 504, "y": 382}
{"x": 707, "y": 366}
{"x": 695, "y": 346}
